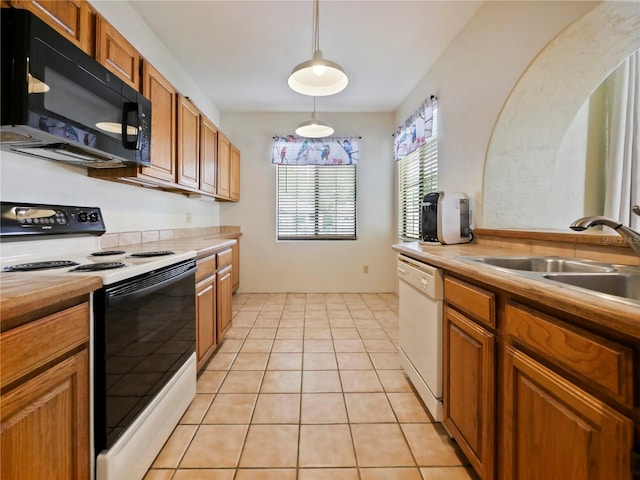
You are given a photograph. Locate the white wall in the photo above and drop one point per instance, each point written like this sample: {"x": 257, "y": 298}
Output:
{"x": 473, "y": 78}
{"x": 125, "y": 207}
{"x": 313, "y": 266}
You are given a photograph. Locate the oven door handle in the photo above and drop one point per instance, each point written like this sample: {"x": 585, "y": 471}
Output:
{"x": 113, "y": 298}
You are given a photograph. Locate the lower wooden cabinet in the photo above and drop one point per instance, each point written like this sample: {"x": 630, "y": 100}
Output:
{"x": 206, "y": 334}
{"x": 553, "y": 429}
{"x": 225, "y": 293}
{"x": 235, "y": 273}
{"x": 469, "y": 389}
{"x": 45, "y": 398}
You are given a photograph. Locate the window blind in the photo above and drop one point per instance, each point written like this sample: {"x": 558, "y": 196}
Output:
{"x": 316, "y": 202}
{"x": 417, "y": 176}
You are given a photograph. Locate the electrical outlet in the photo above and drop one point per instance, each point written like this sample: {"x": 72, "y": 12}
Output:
{"x": 188, "y": 217}
{"x": 365, "y": 269}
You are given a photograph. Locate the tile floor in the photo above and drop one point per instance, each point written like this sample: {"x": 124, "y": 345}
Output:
{"x": 309, "y": 387}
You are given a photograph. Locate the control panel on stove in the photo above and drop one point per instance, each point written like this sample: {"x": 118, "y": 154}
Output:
{"x": 41, "y": 219}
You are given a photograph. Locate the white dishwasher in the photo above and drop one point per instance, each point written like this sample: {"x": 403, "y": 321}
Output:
{"x": 420, "y": 321}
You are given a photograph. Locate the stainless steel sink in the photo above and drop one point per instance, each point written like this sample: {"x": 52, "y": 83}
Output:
{"x": 545, "y": 264}
{"x": 621, "y": 281}
{"x": 620, "y": 284}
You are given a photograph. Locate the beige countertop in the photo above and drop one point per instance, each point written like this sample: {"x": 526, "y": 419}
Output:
{"x": 26, "y": 297}
{"x": 603, "y": 312}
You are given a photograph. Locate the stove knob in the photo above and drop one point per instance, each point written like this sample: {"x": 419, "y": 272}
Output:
{"x": 83, "y": 217}
{"x": 93, "y": 217}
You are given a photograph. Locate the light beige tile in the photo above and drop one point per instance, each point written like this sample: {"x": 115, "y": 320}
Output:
{"x": 197, "y": 408}
{"x": 360, "y": 381}
{"x": 231, "y": 408}
{"x": 289, "y": 333}
{"x": 328, "y": 474}
{"x": 215, "y": 446}
{"x": 390, "y": 473}
{"x": 379, "y": 345}
{"x": 366, "y": 323}
{"x": 230, "y": 345}
{"x": 368, "y": 333}
{"x": 292, "y": 321}
{"x": 281, "y": 381}
{"x": 315, "y": 333}
{"x": 256, "y": 346}
{"x": 395, "y": 381}
{"x": 285, "y": 361}
{"x": 270, "y": 446}
{"x": 326, "y": 446}
{"x": 205, "y": 474}
{"x": 341, "y": 320}
{"x": 386, "y": 361}
{"x": 321, "y": 381}
{"x": 162, "y": 474}
{"x": 352, "y": 345}
{"x": 237, "y": 333}
{"x": 262, "y": 322}
{"x": 408, "y": 408}
{"x": 361, "y": 313}
{"x": 333, "y": 298}
{"x": 271, "y": 314}
{"x": 245, "y": 316}
{"x": 175, "y": 446}
{"x": 431, "y": 445}
{"x": 250, "y": 361}
{"x": 323, "y": 408}
{"x": 354, "y": 361}
{"x": 318, "y": 346}
{"x": 290, "y": 346}
{"x": 296, "y": 298}
{"x": 266, "y": 474}
{"x": 262, "y": 333}
{"x": 276, "y": 408}
{"x": 345, "y": 333}
{"x": 448, "y": 473}
{"x": 221, "y": 361}
{"x": 241, "y": 381}
{"x": 209, "y": 381}
{"x": 379, "y": 445}
{"x": 320, "y": 361}
{"x": 368, "y": 408}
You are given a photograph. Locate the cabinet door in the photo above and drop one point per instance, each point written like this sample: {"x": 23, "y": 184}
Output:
{"x": 235, "y": 271}
{"x": 553, "y": 429}
{"x": 469, "y": 389}
{"x": 208, "y": 155}
{"x": 188, "y": 143}
{"x": 163, "y": 124}
{"x": 225, "y": 293}
{"x": 116, "y": 53}
{"x": 45, "y": 424}
{"x": 234, "y": 174}
{"x": 205, "y": 320}
{"x": 224, "y": 166}
{"x": 71, "y": 18}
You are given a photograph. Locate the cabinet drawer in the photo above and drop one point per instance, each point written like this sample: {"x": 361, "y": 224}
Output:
{"x": 603, "y": 363}
{"x": 35, "y": 344}
{"x": 472, "y": 300}
{"x": 225, "y": 258}
{"x": 206, "y": 268}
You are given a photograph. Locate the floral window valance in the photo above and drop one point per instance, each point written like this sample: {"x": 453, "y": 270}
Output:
{"x": 416, "y": 131}
{"x": 294, "y": 150}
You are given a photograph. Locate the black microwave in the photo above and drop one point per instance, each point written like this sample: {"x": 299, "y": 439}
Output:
{"x": 59, "y": 103}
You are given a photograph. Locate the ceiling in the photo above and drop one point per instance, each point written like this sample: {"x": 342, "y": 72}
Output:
{"x": 241, "y": 52}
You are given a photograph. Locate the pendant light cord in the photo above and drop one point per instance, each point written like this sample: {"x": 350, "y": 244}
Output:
{"x": 316, "y": 27}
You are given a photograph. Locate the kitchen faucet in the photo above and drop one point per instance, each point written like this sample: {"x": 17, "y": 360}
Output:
{"x": 631, "y": 236}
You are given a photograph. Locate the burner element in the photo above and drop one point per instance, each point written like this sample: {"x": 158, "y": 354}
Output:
{"x": 92, "y": 267}
{"x": 29, "y": 267}
{"x": 159, "y": 253}
{"x": 108, "y": 253}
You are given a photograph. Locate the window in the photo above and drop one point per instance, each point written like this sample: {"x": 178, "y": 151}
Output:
{"x": 417, "y": 176}
{"x": 316, "y": 202}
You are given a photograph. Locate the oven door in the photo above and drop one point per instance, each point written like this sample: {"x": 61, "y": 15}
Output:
{"x": 145, "y": 330}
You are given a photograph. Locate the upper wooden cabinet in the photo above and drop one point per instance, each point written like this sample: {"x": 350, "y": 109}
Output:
{"x": 224, "y": 165}
{"x": 234, "y": 174}
{"x": 163, "y": 124}
{"x": 116, "y": 53}
{"x": 72, "y": 18}
{"x": 188, "y": 143}
{"x": 208, "y": 155}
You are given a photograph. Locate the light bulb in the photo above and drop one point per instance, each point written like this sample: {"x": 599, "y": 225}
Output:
{"x": 318, "y": 69}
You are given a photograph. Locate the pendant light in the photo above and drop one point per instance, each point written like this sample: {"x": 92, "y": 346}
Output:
{"x": 314, "y": 128}
{"x": 318, "y": 77}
